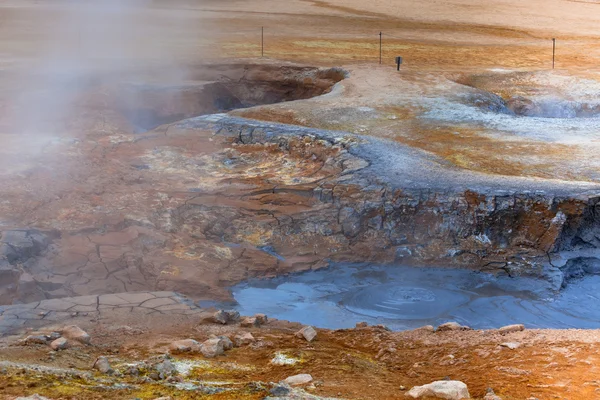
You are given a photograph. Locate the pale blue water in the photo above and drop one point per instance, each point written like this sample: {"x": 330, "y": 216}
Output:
{"x": 406, "y": 298}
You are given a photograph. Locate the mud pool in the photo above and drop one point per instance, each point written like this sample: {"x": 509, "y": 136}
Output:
{"x": 406, "y": 298}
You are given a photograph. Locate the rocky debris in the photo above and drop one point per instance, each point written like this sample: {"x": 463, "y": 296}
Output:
{"x": 243, "y": 339}
{"x": 449, "y": 390}
{"x": 250, "y": 322}
{"x": 33, "y": 397}
{"x": 283, "y": 391}
{"x": 452, "y": 326}
{"x": 512, "y": 328}
{"x": 102, "y": 365}
{"x": 59, "y": 344}
{"x": 184, "y": 346}
{"x": 77, "y": 334}
{"x": 298, "y": 380}
{"x": 361, "y": 325}
{"x": 213, "y": 347}
{"x": 511, "y": 345}
{"x": 490, "y": 395}
{"x": 225, "y": 317}
{"x": 262, "y": 319}
{"x": 308, "y": 332}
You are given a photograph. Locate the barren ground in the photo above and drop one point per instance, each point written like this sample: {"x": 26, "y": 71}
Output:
{"x": 98, "y": 207}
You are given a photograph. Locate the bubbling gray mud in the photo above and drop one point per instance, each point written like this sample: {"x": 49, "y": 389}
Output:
{"x": 406, "y": 298}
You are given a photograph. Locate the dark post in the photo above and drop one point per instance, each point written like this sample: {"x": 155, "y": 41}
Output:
{"x": 380, "y": 44}
{"x": 553, "y": 51}
{"x": 262, "y": 41}
{"x": 398, "y": 62}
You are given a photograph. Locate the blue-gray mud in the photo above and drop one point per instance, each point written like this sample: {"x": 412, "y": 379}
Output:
{"x": 406, "y": 298}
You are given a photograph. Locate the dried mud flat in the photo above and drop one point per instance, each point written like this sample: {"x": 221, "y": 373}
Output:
{"x": 459, "y": 160}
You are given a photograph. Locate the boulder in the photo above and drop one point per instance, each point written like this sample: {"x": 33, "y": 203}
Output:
{"x": 512, "y": 328}
{"x": 448, "y": 390}
{"x": 184, "y": 346}
{"x": 308, "y": 332}
{"x": 212, "y": 347}
{"x": 243, "y": 339}
{"x": 227, "y": 343}
{"x": 298, "y": 380}
{"x": 77, "y": 334}
{"x": 102, "y": 365}
{"x": 59, "y": 344}
{"x": 452, "y": 326}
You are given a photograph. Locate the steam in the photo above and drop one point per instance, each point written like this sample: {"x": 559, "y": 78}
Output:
{"x": 87, "y": 44}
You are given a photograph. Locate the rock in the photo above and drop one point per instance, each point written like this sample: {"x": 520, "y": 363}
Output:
{"x": 226, "y": 317}
{"x": 381, "y": 326}
{"x": 165, "y": 369}
{"x": 184, "y": 346}
{"x": 102, "y": 365}
{"x": 227, "y": 343}
{"x": 212, "y": 348}
{"x": 452, "y": 326}
{"x": 449, "y": 390}
{"x": 33, "y": 397}
{"x": 250, "y": 322}
{"x": 280, "y": 390}
{"x": 361, "y": 325}
{"x": 54, "y": 335}
{"x": 243, "y": 339}
{"x": 77, "y": 334}
{"x": 59, "y": 344}
{"x": 512, "y": 328}
{"x": 308, "y": 333}
{"x": 511, "y": 345}
{"x": 164, "y": 398}
{"x": 490, "y": 395}
{"x": 298, "y": 380}
{"x": 262, "y": 319}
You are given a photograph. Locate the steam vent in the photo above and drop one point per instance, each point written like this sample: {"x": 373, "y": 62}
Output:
{"x": 247, "y": 200}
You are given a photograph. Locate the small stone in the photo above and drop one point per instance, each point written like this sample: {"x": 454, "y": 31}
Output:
{"x": 244, "y": 339}
{"x": 250, "y": 322}
{"x": 449, "y": 390}
{"x": 262, "y": 319}
{"x": 184, "y": 346}
{"x": 102, "y": 365}
{"x": 452, "y": 326}
{"x": 227, "y": 343}
{"x": 308, "y": 332}
{"x": 280, "y": 390}
{"x": 212, "y": 348}
{"x": 77, "y": 334}
{"x": 511, "y": 345}
{"x": 54, "y": 335}
{"x": 362, "y": 325}
{"x": 59, "y": 344}
{"x": 402, "y": 387}
{"x": 490, "y": 395}
{"x": 512, "y": 328}
{"x": 298, "y": 380}
{"x": 165, "y": 369}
